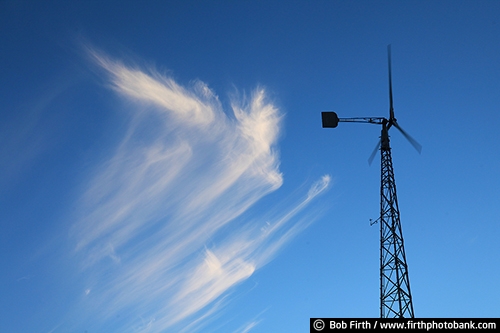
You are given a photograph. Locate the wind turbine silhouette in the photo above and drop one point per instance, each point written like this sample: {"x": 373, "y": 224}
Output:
{"x": 395, "y": 294}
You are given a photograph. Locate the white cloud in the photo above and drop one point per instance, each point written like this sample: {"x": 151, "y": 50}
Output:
{"x": 161, "y": 228}
{"x": 248, "y": 327}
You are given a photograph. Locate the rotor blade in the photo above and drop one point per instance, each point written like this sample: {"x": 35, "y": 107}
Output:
{"x": 372, "y": 156}
{"x": 413, "y": 142}
{"x": 391, "y": 107}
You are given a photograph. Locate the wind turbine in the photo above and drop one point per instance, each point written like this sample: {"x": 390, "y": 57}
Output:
{"x": 395, "y": 294}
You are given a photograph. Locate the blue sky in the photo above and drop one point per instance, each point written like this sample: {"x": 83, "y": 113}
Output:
{"x": 164, "y": 167}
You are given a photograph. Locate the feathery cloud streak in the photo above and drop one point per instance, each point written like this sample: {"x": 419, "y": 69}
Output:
{"x": 162, "y": 229}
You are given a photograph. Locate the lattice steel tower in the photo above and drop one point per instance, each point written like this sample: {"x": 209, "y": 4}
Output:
{"x": 395, "y": 294}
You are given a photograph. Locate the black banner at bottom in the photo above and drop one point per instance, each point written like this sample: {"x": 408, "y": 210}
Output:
{"x": 425, "y": 324}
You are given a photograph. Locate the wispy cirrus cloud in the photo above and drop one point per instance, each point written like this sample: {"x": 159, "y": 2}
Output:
{"x": 247, "y": 327}
{"x": 162, "y": 229}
